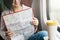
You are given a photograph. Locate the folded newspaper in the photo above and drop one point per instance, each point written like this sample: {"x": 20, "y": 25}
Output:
{"x": 18, "y": 20}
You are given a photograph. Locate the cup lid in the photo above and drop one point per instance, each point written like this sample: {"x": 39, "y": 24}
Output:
{"x": 51, "y": 22}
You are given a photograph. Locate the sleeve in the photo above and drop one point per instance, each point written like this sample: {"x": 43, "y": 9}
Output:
{"x": 2, "y": 28}
{"x": 35, "y": 29}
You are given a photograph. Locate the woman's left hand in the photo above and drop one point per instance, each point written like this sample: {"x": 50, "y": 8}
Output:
{"x": 34, "y": 21}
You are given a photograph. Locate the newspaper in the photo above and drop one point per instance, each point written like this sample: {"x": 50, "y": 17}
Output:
{"x": 18, "y": 37}
{"x": 17, "y": 21}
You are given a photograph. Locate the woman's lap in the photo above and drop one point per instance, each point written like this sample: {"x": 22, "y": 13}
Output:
{"x": 39, "y": 35}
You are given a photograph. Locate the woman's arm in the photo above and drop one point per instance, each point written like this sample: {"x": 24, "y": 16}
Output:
{"x": 2, "y": 26}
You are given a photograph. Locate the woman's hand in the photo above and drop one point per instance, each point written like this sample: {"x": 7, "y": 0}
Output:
{"x": 9, "y": 33}
{"x": 34, "y": 21}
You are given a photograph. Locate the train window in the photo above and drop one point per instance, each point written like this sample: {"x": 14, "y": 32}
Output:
{"x": 54, "y": 10}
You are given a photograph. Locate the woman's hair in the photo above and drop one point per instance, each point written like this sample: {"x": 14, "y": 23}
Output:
{"x": 8, "y": 3}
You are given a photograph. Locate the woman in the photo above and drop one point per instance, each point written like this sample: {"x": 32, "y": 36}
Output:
{"x": 14, "y": 6}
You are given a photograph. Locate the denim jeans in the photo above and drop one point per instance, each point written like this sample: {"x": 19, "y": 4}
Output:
{"x": 39, "y": 35}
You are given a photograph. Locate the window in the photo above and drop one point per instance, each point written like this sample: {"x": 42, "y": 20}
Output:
{"x": 54, "y": 10}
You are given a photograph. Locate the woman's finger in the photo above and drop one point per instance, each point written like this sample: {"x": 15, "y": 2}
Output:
{"x": 8, "y": 33}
